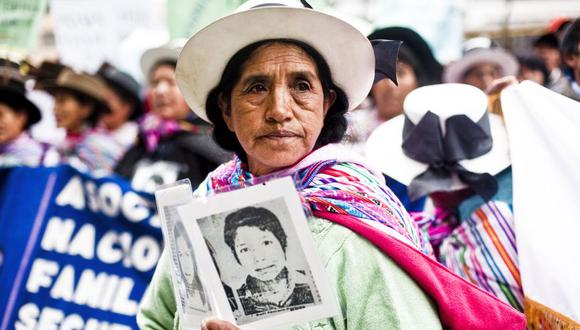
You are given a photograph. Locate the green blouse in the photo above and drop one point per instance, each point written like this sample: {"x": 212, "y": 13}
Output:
{"x": 373, "y": 292}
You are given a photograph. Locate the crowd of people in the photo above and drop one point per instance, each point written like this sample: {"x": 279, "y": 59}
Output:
{"x": 279, "y": 98}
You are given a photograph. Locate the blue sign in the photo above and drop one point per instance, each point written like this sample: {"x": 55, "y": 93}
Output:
{"x": 76, "y": 252}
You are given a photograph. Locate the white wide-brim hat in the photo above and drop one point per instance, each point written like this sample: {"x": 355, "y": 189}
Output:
{"x": 384, "y": 147}
{"x": 167, "y": 52}
{"x": 345, "y": 49}
{"x": 455, "y": 71}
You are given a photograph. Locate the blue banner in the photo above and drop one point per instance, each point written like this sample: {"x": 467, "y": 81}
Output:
{"x": 76, "y": 252}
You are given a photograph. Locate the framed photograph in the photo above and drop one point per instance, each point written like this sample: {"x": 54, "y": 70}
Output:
{"x": 194, "y": 302}
{"x": 258, "y": 256}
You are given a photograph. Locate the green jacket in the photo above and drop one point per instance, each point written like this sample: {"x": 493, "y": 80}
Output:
{"x": 373, "y": 292}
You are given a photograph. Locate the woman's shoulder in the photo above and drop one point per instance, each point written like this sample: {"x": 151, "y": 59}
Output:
{"x": 365, "y": 276}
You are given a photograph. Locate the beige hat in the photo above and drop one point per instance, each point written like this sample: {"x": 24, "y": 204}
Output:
{"x": 347, "y": 51}
{"x": 89, "y": 85}
{"x": 476, "y": 51}
{"x": 167, "y": 52}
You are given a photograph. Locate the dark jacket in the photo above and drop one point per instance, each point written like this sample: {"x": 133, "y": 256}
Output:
{"x": 181, "y": 155}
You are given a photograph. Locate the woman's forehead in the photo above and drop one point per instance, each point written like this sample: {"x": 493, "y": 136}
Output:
{"x": 253, "y": 229}
{"x": 278, "y": 55}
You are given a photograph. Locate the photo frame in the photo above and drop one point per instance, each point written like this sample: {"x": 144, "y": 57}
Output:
{"x": 258, "y": 257}
{"x": 193, "y": 300}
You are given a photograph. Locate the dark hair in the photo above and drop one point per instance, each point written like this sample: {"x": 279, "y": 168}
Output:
{"x": 162, "y": 62}
{"x": 535, "y": 64}
{"x": 547, "y": 40}
{"x": 250, "y": 216}
{"x": 571, "y": 39}
{"x": 127, "y": 97}
{"x": 335, "y": 122}
{"x": 98, "y": 107}
{"x": 17, "y": 105}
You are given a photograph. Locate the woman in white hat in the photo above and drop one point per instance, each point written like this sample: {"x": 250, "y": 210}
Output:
{"x": 448, "y": 147}
{"x": 275, "y": 80}
{"x": 172, "y": 142}
{"x": 482, "y": 63}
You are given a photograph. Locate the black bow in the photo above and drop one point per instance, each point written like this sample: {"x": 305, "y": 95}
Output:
{"x": 386, "y": 53}
{"x": 464, "y": 139}
{"x": 306, "y": 4}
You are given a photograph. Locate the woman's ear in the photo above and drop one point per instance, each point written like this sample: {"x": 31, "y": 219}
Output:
{"x": 329, "y": 101}
{"x": 225, "y": 109}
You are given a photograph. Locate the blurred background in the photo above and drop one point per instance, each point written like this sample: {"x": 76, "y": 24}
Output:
{"x": 85, "y": 33}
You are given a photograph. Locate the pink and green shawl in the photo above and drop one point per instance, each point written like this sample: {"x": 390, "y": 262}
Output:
{"x": 339, "y": 187}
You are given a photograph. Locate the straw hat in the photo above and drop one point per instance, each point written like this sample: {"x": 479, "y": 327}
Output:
{"x": 89, "y": 85}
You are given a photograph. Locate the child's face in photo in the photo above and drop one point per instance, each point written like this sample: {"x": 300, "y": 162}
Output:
{"x": 259, "y": 252}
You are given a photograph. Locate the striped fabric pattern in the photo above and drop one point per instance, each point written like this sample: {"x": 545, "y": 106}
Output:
{"x": 337, "y": 187}
{"x": 23, "y": 151}
{"x": 482, "y": 249}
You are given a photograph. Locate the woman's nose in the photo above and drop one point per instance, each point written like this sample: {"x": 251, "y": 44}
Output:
{"x": 280, "y": 106}
{"x": 161, "y": 88}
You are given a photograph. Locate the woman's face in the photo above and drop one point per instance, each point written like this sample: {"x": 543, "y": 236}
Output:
{"x": 481, "y": 75}
{"x": 389, "y": 97}
{"x": 11, "y": 123}
{"x": 277, "y": 107}
{"x": 120, "y": 110}
{"x": 259, "y": 252}
{"x": 166, "y": 99}
{"x": 69, "y": 113}
{"x": 185, "y": 258}
{"x": 526, "y": 73}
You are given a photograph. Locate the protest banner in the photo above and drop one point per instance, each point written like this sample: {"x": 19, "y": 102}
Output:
{"x": 19, "y": 24}
{"x": 76, "y": 252}
{"x": 88, "y": 32}
{"x": 543, "y": 133}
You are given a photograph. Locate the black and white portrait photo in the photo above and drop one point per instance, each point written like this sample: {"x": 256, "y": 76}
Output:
{"x": 259, "y": 257}
{"x": 259, "y": 244}
{"x": 261, "y": 267}
{"x": 190, "y": 287}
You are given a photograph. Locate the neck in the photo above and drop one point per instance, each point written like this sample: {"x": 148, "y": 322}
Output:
{"x": 76, "y": 130}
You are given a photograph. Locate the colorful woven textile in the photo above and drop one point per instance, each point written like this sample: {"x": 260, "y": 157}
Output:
{"x": 482, "y": 249}
{"x": 22, "y": 151}
{"x": 91, "y": 151}
{"x": 337, "y": 186}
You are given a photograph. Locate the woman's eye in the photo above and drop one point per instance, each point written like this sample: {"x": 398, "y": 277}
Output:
{"x": 243, "y": 250}
{"x": 267, "y": 242}
{"x": 257, "y": 88}
{"x": 302, "y": 86}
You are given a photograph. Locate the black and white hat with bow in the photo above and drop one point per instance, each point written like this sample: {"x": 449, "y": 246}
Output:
{"x": 445, "y": 140}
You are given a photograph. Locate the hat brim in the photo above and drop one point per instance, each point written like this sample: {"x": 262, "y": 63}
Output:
{"x": 455, "y": 71}
{"x": 383, "y": 150}
{"x": 102, "y": 105}
{"x": 155, "y": 55}
{"x": 346, "y": 50}
{"x": 34, "y": 114}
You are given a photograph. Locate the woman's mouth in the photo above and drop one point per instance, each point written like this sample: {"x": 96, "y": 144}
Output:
{"x": 279, "y": 135}
{"x": 264, "y": 269}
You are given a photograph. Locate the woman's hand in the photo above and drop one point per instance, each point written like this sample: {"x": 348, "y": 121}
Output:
{"x": 500, "y": 84}
{"x": 215, "y": 324}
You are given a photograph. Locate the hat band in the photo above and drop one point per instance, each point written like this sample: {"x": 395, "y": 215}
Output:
{"x": 464, "y": 139}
